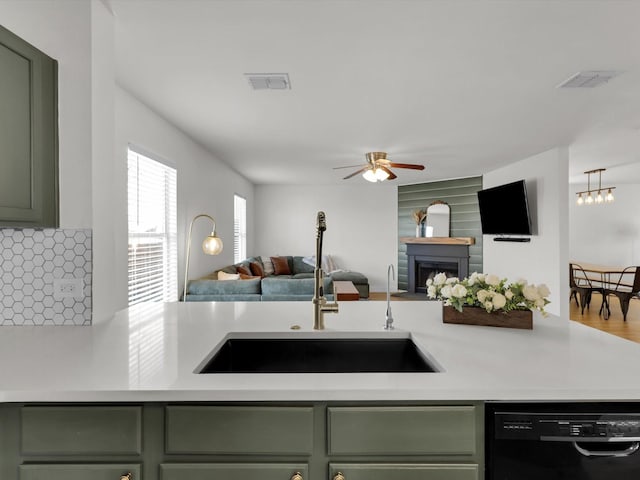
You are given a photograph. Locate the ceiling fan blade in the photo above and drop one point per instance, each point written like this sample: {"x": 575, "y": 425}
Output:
{"x": 389, "y": 172}
{"x": 362, "y": 170}
{"x": 412, "y": 166}
{"x": 348, "y": 166}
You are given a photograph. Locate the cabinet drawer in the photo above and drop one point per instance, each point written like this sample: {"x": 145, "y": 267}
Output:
{"x": 239, "y": 430}
{"x": 438, "y": 430}
{"x": 253, "y": 471}
{"x": 81, "y": 430}
{"x": 92, "y": 471}
{"x": 405, "y": 471}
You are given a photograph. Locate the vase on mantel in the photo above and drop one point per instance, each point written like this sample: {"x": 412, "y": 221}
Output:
{"x": 522, "y": 319}
{"x": 418, "y": 230}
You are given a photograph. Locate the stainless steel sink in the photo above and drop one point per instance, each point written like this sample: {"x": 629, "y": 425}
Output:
{"x": 316, "y": 353}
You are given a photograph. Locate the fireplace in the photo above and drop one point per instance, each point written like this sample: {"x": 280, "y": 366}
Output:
{"x": 428, "y": 256}
{"x": 427, "y": 270}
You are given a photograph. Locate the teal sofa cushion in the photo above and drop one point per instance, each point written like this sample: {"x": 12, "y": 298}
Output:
{"x": 276, "y": 285}
{"x": 224, "y": 287}
{"x": 300, "y": 267}
{"x": 224, "y": 298}
{"x": 302, "y": 275}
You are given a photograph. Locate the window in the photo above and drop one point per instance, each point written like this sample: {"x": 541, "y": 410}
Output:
{"x": 153, "y": 253}
{"x": 239, "y": 228}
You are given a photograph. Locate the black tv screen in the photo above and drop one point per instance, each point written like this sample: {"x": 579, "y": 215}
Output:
{"x": 504, "y": 210}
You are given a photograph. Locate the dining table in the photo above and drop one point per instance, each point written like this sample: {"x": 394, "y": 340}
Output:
{"x": 601, "y": 276}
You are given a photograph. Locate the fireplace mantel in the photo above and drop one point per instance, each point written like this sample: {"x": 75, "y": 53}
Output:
{"x": 448, "y": 254}
{"x": 439, "y": 240}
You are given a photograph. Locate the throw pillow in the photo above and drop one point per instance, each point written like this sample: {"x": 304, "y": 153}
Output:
{"x": 268, "y": 267}
{"x": 228, "y": 276}
{"x": 280, "y": 266}
{"x": 247, "y": 277}
{"x": 256, "y": 269}
{"x": 243, "y": 270}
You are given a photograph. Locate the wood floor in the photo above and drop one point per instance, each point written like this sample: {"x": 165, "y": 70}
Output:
{"x": 615, "y": 325}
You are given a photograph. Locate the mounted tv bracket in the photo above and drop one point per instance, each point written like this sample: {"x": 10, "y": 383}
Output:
{"x": 512, "y": 239}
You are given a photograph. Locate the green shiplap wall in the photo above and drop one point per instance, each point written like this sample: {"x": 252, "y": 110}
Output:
{"x": 461, "y": 196}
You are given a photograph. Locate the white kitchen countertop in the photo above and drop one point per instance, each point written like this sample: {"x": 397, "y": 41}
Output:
{"x": 149, "y": 353}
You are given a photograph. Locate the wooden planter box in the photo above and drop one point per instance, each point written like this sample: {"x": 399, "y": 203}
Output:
{"x": 478, "y": 316}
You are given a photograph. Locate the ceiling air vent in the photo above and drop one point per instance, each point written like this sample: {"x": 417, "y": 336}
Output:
{"x": 589, "y": 79}
{"x": 268, "y": 81}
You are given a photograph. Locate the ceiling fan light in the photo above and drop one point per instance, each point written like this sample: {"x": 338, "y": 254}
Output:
{"x": 381, "y": 174}
{"x": 370, "y": 176}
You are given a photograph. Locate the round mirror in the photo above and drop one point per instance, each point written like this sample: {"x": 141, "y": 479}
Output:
{"x": 438, "y": 219}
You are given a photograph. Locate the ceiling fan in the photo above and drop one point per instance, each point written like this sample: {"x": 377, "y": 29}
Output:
{"x": 378, "y": 168}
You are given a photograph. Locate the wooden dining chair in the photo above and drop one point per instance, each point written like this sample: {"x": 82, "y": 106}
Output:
{"x": 581, "y": 286}
{"x": 626, "y": 287}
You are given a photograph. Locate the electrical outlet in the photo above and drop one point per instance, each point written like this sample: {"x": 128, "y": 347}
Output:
{"x": 68, "y": 288}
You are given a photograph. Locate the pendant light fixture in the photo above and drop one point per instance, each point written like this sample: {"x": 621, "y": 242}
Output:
{"x": 590, "y": 196}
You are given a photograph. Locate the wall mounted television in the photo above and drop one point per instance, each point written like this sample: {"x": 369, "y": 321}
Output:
{"x": 504, "y": 210}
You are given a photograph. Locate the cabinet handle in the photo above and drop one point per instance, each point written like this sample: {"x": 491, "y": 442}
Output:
{"x": 297, "y": 476}
{"x": 338, "y": 476}
{"x": 126, "y": 476}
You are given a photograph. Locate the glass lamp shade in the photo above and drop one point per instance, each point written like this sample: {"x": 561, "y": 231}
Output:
{"x": 609, "y": 197}
{"x": 589, "y": 199}
{"x": 599, "y": 198}
{"x": 580, "y": 200}
{"x": 212, "y": 245}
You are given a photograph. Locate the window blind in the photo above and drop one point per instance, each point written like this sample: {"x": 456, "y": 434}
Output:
{"x": 239, "y": 228}
{"x": 152, "y": 218}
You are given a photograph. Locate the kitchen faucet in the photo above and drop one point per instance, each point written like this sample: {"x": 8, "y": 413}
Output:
{"x": 388, "y": 325}
{"x": 320, "y": 305}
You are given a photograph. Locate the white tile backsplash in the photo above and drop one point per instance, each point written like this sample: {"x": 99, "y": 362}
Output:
{"x": 30, "y": 261}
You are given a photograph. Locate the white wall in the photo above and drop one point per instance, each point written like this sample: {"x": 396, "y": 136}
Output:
{"x": 205, "y": 185}
{"x": 608, "y": 234}
{"x": 361, "y": 225}
{"x": 62, "y": 30}
{"x": 545, "y": 259}
{"x": 103, "y": 189}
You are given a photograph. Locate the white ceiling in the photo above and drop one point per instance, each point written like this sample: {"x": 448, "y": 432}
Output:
{"x": 460, "y": 86}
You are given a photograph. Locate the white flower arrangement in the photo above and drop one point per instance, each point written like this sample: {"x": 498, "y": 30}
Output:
{"x": 489, "y": 292}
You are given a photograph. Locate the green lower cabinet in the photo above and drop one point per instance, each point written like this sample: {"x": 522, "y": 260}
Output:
{"x": 242, "y": 441}
{"x": 234, "y": 471}
{"x": 403, "y": 430}
{"x": 91, "y": 471}
{"x": 404, "y": 471}
{"x": 81, "y": 430}
{"x": 239, "y": 430}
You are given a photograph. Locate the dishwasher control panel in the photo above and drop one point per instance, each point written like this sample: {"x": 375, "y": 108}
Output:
{"x": 563, "y": 427}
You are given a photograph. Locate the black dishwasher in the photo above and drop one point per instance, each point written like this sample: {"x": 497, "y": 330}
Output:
{"x": 562, "y": 441}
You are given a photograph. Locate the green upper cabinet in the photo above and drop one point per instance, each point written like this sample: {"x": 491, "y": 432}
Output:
{"x": 28, "y": 135}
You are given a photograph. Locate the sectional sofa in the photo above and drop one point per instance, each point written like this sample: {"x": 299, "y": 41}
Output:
{"x": 257, "y": 279}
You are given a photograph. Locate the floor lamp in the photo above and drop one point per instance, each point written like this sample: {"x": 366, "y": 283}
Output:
{"x": 212, "y": 245}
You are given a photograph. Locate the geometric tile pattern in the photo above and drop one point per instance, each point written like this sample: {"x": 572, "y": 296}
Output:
{"x": 30, "y": 261}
